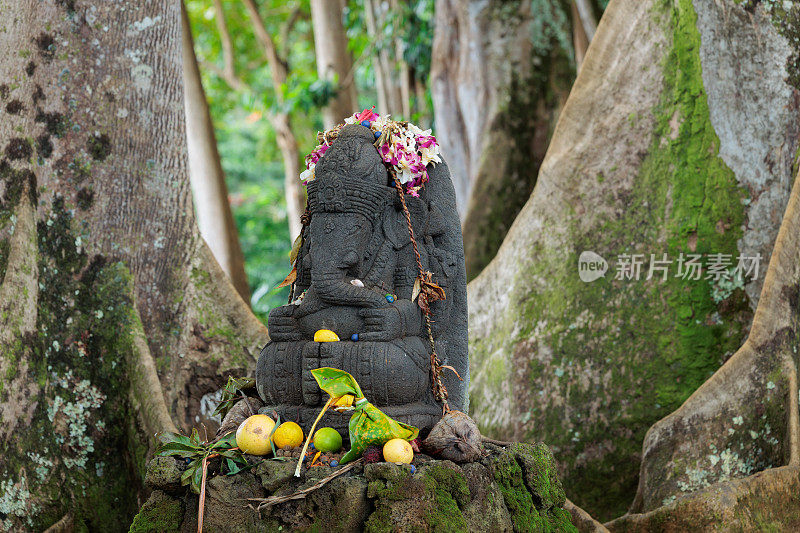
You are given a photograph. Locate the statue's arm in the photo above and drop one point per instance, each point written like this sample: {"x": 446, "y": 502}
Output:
{"x": 282, "y": 325}
{"x": 401, "y": 318}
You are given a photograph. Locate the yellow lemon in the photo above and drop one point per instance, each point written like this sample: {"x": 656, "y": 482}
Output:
{"x": 253, "y": 435}
{"x": 344, "y": 401}
{"x": 288, "y": 434}
{"x": 325, "y": 335}
{"x": 398, "y": 451}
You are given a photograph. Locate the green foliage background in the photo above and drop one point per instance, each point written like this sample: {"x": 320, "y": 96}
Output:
{"x": 247, "y": 144}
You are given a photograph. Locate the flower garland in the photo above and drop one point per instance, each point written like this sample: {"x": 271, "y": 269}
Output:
{"x": 404, "y": 147}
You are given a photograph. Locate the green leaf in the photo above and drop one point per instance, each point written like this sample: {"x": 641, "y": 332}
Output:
{"x": 175, "y": 444}
{"x": 231, "y": 393}
{"x": 228, "y": 441}
{"x": 191, "y": 474}
{"x": 197, "y": 478}
{"x": 271, "y": 433}
{"x": 169, "y": 436}
{"x": 336, "y": 382}
{"x": 176, "y": 448}
{"x": 234, "y": 467}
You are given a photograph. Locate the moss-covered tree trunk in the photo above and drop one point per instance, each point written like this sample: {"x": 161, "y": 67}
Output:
{"x": 500, "y": 73}
{"x": 115, "y": 319}
{"x": 729, "y": 457}
{"x": 679, "y": 137}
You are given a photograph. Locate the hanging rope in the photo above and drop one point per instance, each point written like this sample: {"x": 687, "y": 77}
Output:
{"x": 291, "y": 279}
{"x": 428, "y": 292}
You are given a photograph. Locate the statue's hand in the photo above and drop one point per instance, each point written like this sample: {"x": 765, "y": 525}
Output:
{"x": 399, "y": 319}
{"x": 282, "y": 325}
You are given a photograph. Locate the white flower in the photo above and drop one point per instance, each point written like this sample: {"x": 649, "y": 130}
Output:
{"x": 430, "y": 155}
{"x": 413, "y": 130}
{"x": 405, "y": 176}
{"x": 308, "y": 174}
{"x": 380, "y": 123}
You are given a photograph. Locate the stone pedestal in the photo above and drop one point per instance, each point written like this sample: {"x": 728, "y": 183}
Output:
{"x": 511, "y": 489}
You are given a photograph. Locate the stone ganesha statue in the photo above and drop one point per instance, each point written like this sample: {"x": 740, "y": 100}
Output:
{"x": 356, "y": 272}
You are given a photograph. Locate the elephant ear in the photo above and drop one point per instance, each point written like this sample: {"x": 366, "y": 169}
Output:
{"x": 437, "y": 224}
{"x": 395, "y": 229}
{"x": 395, "y": 226}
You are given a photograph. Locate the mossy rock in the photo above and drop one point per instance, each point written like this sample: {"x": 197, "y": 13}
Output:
{"x": 273, "y": 474}
{"x": 163, "y": 474}
{"x": 161, "y": 513}
{"x": 511, "y": 489}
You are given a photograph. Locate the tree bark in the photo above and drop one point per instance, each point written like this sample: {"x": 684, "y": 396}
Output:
{"x": 497, "y": 87}
{"x": 287, "y": 142}
{"x": 385, "y": 65}
{"x": 739, "y": 433}
{"x": 668, "y": 161}
{"x": 115, "y": 318}
{"x": 333, "y": 59}
{"x": 586, "y": 18}
{"x": 745, "y": 416}
{"x": 580, "y": 40}
{"x": 210, "y": 193}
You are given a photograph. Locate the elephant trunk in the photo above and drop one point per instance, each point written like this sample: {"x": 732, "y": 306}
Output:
{"x": 334, "y": 288}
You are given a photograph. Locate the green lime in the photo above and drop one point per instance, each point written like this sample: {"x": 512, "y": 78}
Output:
{"x": 327, "y": 440}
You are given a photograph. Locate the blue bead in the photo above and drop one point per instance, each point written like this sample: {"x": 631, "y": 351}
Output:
{"x": 310, "y": 445}
{"x": 365, "y": 123}
{"x": 334, "y": 463}
{"x": 354, "y": 337}
{"x": 389, "y": 298}
{"x": 413, "y": 469}
{"x": 377, "y": 134}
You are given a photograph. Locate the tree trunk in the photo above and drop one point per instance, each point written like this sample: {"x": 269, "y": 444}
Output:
{"x": 210, "y": 193}
{"x": 333, "y": 59}
{"x": 115, "y": 317}
{"x": 666, "y": 161}
{"x": 401, "y": 71}
{"x": 585, "y": 18}
{"x": 580, "y": 40}
{"x": 385, "y": 65}
{"x": 287, "y": 142}
{"x": 497, "y": 87}
{"x": 295, "y": 198}
{"x": 739, "y": 433}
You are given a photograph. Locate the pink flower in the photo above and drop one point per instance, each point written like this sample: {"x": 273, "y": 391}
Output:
{"x": 367, "y": 114}
{"x": 387, "y": 154}
{"x": 426, "y": 141}
{"x": 318, "y": 152}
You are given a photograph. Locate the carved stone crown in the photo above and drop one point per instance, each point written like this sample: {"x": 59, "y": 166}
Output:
{"x": 334, "y": 194}
{"x": 350, "y": 177}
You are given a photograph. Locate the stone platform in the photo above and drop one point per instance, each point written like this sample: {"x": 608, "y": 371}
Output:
{"x": 513, "y": 488}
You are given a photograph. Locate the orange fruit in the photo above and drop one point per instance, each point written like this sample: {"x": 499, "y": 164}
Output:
{"x": 288, "y": 434}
